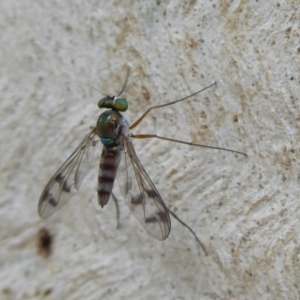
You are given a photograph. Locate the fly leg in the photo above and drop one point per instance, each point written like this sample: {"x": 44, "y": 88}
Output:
{"x": 117, "y": 210}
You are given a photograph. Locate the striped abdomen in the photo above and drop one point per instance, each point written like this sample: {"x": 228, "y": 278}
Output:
{"x": 109, "y": 162}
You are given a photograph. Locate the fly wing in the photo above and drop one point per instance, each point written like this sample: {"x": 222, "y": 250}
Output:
{"x": 140, "y": 194}
{"x": 68, "y": 178}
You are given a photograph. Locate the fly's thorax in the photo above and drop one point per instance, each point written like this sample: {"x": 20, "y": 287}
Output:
{"x": 108, "y": 127}
{"x": 111, "y": 121}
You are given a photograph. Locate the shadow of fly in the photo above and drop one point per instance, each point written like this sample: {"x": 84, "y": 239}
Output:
{"x": 139, "y": 192}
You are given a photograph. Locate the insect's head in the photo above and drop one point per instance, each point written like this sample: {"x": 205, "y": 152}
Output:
{"x": 115, "y": 103}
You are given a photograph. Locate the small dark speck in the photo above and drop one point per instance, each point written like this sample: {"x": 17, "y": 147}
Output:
{"x": 7, "y": 291}
{"x": 68, "y": 28}
{"x": 283, "y": 212}
{"x": 292, "y": 78}
{"x": 216, "y": 218}
{"x": 203, "y": 115}
{"x": 145, "y": 93}
{"x": 44, "y": 242}
{"x": 278, "y": 4}
{"x": 220, "y": 203}
{"x": 48, "y": 292}
{"x": 235, "y": 118}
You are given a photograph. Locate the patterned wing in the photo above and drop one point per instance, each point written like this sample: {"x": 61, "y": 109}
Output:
{"x": 140, "y": 194}
{"x": 68, "y": 178}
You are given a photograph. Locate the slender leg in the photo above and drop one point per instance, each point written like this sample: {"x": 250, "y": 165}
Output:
{"x": 149, "y": 136}
{"x": 138, "y": 121}
{"x": 190, "y": 229}
{"x": 117, "y": 210}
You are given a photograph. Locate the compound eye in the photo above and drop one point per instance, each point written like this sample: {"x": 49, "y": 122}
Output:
{"x": 102, "y": 102}
{"x": 120, "y": 104}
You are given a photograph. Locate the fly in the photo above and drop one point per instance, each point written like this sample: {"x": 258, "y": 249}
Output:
{"x": 139, "y": 192}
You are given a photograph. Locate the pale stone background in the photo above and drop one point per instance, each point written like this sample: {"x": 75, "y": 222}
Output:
{"x": 245, "y": 210}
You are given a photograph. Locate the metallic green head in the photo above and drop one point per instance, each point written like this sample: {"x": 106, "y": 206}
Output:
{"x": 115, "y": 103}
